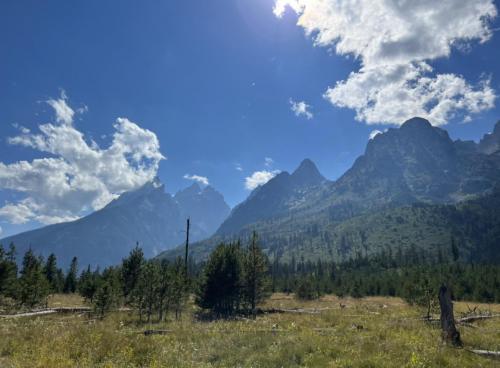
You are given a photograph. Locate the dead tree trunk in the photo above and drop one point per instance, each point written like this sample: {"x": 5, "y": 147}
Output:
{"x": 450, "y": 333}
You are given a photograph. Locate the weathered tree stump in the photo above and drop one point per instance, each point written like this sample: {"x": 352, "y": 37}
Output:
{"x": 449, "y": 331}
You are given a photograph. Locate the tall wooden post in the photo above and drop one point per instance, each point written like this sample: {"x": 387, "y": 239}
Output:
{"x": 187, "y": 248}
{"x": 449, "y": 331}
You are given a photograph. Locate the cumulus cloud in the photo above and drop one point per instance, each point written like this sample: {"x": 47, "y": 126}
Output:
{"x": 259, "y": 178}
{"x": 64, "y": 113}
{"x": 395, "y": 41}
{"x": 76, "y": 175}
{"x": 300, "y": 108}
{"x": 200, "y": 179}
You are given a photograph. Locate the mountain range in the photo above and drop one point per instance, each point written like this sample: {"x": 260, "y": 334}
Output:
{"x": 148, "y": 215}
{"x": 413, "y": 187}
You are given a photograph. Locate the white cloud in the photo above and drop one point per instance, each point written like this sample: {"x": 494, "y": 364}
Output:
{"x": 395, "y": 41}
{"x": 259, "y": 178}
{"x": 200, "y": 179}
{"x": 77, "y": 175}
{"x": 1, "y": 230}
{"x": 64, "y": 113}
{"x": 238, "y": 167}
{"x": 83, "y": 109}
{"x": 300, "y": 108}
{"x": 268, "y": 161}
{"x": 374, "y": 133}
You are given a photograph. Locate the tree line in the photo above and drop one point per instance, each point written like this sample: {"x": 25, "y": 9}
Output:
{"x": 37, "y": 278}
{"x": 233, "y": 280}
{"x": 236, "y": 278}
{"x": 411, "y": 274}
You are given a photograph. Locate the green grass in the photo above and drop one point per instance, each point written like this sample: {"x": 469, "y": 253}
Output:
{"x": 391, "y": 336}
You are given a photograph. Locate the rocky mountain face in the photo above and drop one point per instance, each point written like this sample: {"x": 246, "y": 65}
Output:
{"x": 147, "y": 215}
{"x": 205, "y": 207}
{"x": 414, "y": 164}
{"x": 278, "y": 196}
{"x": 491, "y": 142}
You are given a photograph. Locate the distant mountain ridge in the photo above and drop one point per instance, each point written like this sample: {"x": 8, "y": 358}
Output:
{"x": 278, "y": 196}
{"x": 414, "y": 164}
{"x": 147, "y": 215}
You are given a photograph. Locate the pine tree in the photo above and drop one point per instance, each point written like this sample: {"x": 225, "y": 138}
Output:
{"x": 165, "y": 286}
{"x": 51, "y": 273}
{"x": 255, "y": 278}
{"x": 146, "y": 290}
{"x": 455, "y": 253}
{"x": 220, "y": 288}
{"x": 88, "y": 284}
{"x": 104, "y": 298}
{"x": 8, "y": 272}
{"x": 108, "y": 290}
{"x": 179, "y": 290}
{"x": 131, "y": 270}
{"x": 305, "y": 289}
{"x": 34, "y": 287}
{"x": 70, "y": 284}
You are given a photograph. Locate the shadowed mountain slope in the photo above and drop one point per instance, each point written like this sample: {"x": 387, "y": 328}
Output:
{"x": 147, "y": 215}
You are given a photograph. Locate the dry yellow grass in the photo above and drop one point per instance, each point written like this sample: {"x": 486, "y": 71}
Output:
{"x": 371, "y": 332}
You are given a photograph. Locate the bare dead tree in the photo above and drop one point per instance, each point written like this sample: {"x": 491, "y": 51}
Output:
{"x": 449, "y": 331}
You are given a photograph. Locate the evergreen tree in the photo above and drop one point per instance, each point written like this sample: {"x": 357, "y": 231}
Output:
{"x": 88, "y": 284}
{"x": 131, "y": 270}
{"x": 455, "y": 253}
{"x": 179, "y": 289}
{"x": 105, "y": 298}
{"x": 165, "y": 288}
{"x": 146, "y": 290}
{"x": 8, "y": 272}
{"x": 255, "y": 278}
{"x": 70, "y": 284}
{"x": 305, "y": 289}
{"x": 34, "y": 287}
{"x": 107, "y": 295}
{"x": 51, "y": 273}
{"x": 220, "y": 287}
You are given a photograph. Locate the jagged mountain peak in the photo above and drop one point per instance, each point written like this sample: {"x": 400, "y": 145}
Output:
{"x": 147, "y": 214}
{"x": 150, "y": 188}
{"x": 193, "y": 189}
{"x": 490, "y": 143}
{"x": 307, "y": 174}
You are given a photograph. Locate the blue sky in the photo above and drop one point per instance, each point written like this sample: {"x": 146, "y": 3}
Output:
{"x": 213, "y": 80}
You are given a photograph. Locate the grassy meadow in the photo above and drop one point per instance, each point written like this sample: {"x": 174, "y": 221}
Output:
{"x": 330, "y": 332}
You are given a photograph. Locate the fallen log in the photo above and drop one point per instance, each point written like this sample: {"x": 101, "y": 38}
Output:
{"x": 486, "y": 353}
{"x": 43, "y": 312}
{"x": 465, "y": 321}
{"x": 72, "y": 309}
{"x": 156, "y": 332}
{"x": 29, "y": 314}
{"x": 280, "y": 310}
{"x": 477, "y": 318}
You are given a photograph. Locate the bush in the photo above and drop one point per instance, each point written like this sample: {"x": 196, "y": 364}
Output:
{"x": 306, "y": 290}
